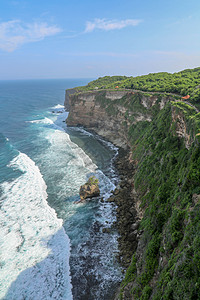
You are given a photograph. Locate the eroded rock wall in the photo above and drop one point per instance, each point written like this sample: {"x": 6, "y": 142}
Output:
{"x": 67, "y": 94}
{"x": 105, "y": 112}
{"x": 151, "y": 191}
{"x": 181, "y": 129}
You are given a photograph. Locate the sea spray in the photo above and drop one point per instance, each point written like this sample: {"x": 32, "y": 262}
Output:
{"x": 56, "y": 153}
{"x": 95, "y": 271}
{"x": 34, "y": 248}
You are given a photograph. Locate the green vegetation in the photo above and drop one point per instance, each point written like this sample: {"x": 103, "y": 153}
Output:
{"x": 93, "y": 181}
{"x": 167, "y": 178}
{"x": 103, "y": 83}
{"x": 181, "y": 83}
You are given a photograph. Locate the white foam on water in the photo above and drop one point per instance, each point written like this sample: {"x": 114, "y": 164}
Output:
{"x": 70, "y": 162}
{"x": 60, "y": 121}
{"x": 47, "y": 122}
{"x": 34, "y": 248}
{"x": 73, "y": 167}
{"x": 69, "y": 166}
{"x": 58, "y": 106}
{"x": 80, "y": 129}
{"x": 61, "y": 141}
{"x": 42, "y": 121}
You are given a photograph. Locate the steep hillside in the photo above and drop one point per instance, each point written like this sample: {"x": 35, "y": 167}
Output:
{"x": 162, "y": 135}
{"x": 166, "y": 263}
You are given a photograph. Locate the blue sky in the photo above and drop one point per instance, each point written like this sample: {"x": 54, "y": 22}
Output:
{"x": 74, "y": 39}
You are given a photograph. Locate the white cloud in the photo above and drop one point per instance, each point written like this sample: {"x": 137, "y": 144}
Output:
{"x": 14, "y": 34}
{"x": 106, "y": 25}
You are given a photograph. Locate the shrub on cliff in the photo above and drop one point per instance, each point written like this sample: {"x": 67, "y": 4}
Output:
{"x": 93, "y": 181}
{"x": 167, "y": 180}
{"x": 182, "y": 83}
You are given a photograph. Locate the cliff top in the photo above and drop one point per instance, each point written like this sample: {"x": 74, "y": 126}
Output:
{"x": 186, "y": 82}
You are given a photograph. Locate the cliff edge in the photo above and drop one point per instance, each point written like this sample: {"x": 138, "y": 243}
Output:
{"x": 162, "y": 134}
{"x": 111, "y": 113}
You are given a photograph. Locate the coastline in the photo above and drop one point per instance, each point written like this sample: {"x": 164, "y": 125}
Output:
{"x": 125, "y": 198}
{"x": 101, "y": 233}
{"x": 128, "y": 213}
{"x": 161, "y": 135}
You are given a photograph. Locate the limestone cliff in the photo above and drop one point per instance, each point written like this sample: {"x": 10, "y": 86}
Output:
{"x": 182, "y": 129}
{"x": 163, "y": 186}
{"x": 111, "y": 113}
{"x": 67, "y": 94}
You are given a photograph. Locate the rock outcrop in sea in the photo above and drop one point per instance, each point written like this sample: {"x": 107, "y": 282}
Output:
{"x": 90, "y": 189}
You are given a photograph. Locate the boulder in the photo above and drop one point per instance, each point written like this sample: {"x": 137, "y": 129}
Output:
{"x": 106, "y": 230}
{"x": 116, "y": 192}
{"x": 90, "y": 189}
{"x": 111, "y": 199}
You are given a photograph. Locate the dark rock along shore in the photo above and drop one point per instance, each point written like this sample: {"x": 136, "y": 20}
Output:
{"x": 125, "y": 197}
{"x": 127, "y": 218}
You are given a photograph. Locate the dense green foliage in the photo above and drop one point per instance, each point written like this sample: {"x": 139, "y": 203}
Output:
{"x": 93, "y": 180}
{"x": 182, "y": 83}
{"x": 167, "y": 179}
{"x": 103, "y": 82}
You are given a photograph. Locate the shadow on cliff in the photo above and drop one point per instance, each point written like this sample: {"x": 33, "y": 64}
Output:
{"x": 48, "y": 279}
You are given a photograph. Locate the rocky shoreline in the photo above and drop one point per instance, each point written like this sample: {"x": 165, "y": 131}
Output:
{"x": 128, "y": 214}
{"x": 125, "y": 197}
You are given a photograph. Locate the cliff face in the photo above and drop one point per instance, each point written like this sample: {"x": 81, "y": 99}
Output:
{"x": 67, "y": 101}
{"x": 163, "y": 138}
{"x": 87, "y": 110}
{"x": 109, "y": 113}
{"x": 182, "y": 130}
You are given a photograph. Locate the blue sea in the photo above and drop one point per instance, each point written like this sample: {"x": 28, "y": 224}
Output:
{"x": 50, "y": 247}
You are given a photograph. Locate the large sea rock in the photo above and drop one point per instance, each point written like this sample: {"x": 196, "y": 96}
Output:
{"x": 90, "y": 189}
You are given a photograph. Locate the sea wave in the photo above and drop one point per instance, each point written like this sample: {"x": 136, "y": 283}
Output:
{"x": 47, "y": 122}
{"x": 34, "y": 248}
{"x": 70, "y": 163}
{"x": 66, "y": 166}
{"x": 58, "y": 106}
{"x": 42, "y": 121}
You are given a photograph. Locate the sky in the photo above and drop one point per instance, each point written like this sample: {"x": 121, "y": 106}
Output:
{"x": 89, "y": 39}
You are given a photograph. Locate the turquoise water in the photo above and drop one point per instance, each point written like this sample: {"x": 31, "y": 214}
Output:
{"x": 51, "y": 248}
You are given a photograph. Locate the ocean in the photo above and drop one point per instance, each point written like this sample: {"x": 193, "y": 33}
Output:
{"x": 50, "y": 247}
